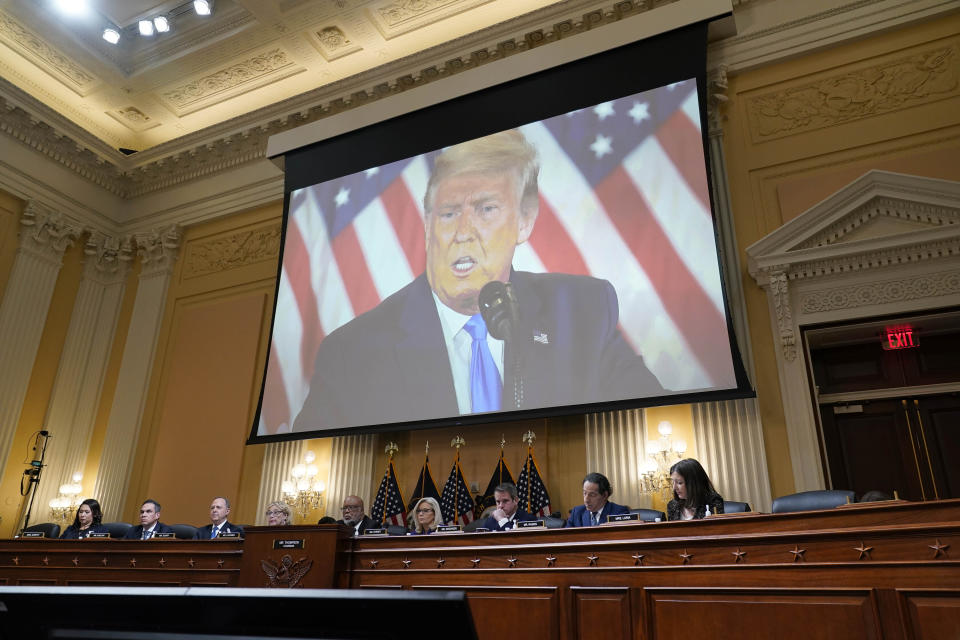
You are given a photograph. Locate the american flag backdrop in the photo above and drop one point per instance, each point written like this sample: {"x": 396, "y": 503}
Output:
{"x": 500, "y": 475}
{"x": 624, "y": 196}
{"x": 456, "y": 503}
{"x": 531, "y": 489}
{"x": 388, "y": 506}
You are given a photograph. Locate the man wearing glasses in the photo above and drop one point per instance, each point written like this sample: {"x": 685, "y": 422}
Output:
{"x": 353, "y": 515}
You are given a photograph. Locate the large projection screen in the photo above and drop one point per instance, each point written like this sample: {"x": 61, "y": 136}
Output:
{"x": 585, "y": 187}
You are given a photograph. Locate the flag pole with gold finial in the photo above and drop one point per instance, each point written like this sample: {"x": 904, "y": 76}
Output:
{"x": 457, "y": 442}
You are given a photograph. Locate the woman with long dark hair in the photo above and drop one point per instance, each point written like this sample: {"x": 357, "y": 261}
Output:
{"x": 86, "y": 521}
{"x": 693, "y": 493}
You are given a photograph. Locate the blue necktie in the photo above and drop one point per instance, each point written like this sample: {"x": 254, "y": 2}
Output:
{"x": 485, "y": 385}
{"x": 213, "y": 531}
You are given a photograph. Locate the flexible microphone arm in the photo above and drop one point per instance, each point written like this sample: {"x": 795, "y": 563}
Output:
{"x": 501, "y": 312}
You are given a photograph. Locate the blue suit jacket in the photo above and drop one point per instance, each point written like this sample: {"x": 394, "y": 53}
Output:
{"x": 203, "y": 533}
{"x": 391, "y": 364}
{"x": 580, "y": 517}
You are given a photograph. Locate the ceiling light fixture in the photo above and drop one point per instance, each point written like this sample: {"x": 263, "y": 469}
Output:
{"x": 162, "y": 24}
{"x": 203, "y": 7}
{"x": 111, "y": 35}
{"x": 146, "y": 28}
{"x": 73, "y": 7}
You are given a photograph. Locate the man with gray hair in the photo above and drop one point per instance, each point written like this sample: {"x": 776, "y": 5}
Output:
{"x": 508, "y": 512}
{"x": 219, "y": 510}
{"x": 425, "y": 352}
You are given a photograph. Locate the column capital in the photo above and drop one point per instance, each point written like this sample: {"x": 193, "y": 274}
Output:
{"x": 716, "y": 100}
{"x": 109, "y": 258}
{"x": 46, "y": 233}
{"x": 158, "y": 250}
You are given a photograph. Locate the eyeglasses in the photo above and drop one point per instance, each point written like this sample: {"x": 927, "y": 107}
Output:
{"x": 424, "y": 510}
{"x": 350, "y": 507}
{"x": 274, "y": 513}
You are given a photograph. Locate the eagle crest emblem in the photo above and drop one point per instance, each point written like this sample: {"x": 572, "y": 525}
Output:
{"x": 286, "y": 574}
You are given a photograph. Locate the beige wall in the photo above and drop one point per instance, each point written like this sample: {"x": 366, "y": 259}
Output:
{"x": 798, "y": 131}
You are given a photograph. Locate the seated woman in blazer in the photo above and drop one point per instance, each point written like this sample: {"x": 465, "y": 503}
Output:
{"x": 692, "y": 492}
{"x": 87, "y": 521}
{"x": 426, "y": 517}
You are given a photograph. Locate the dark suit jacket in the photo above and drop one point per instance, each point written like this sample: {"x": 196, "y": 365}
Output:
{"x": 366, "y": 523}
{"x": 580, "y": 517}
{"x": 674, "y": 508}
{"x": 493, "y": 525}
{"x": 203, "y": 533}
{"x": 73, "y": 533}
{"x": 135, "y": 533}
{"x": 391, "y": 365}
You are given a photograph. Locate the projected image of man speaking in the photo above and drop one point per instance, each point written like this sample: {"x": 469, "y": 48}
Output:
{"x": 427, "y": 350}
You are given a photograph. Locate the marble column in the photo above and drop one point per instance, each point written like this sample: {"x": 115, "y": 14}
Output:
{"x": 44, "y": 236}
{"x": 158, "y": 253}
{"x": 83, "y": 363}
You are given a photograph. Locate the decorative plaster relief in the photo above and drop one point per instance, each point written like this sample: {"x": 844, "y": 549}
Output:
{"x": 884, "y": 292}
{"x": 47, "y": 233}
{"x": 402, "y": 16}
{"x": 252, "y": 73}
{"x": 108, "y": 257}
{"x": 908, "y": 81}
{"x": 915, "y": 214}
{"x": 717, "y": 100}
{"x": 133, "y": 119}
{"x": 158, "y": 250}
{"x": 332, "y": 43}
{"x": 780, "y": 291}
{"x": 35, "y": 49}
{"x": 230, "y": 252}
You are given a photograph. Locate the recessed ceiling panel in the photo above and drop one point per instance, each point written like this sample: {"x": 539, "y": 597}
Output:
{"x": 125, "y": 12}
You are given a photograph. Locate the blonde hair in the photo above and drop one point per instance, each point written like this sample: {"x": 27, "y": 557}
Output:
{"x": 284, "y": 507}
{"x": 503, "y": 152}
{"x": 437, "y": 516}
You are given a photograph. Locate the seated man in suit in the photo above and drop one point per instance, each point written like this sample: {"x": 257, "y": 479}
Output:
{"x": 508, "y": 511}
{"x": 425, "y": 351}
{"x": 219, "y": 510}
{"x": 354, "y": 516}
{"x": 150, "y": 524}
{"x": 596, "y": 503}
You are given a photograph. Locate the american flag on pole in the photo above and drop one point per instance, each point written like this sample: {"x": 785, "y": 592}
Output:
{"x": 623, "y": 196}
{"x": 456, "y": 504}
{"x": 388, "y": 506}
{"x": 531, "y": 489}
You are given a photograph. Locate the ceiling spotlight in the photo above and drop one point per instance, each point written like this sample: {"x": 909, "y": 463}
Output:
{"x": 73, "y": 7}
{"x": 111, "y": 35}
{"x": 162, "y": 24}
{"x": 146, "y": 28}
{"x": 203, "y": 7}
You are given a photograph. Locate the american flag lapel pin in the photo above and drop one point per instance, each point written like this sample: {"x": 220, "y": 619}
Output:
{"x": 541, "y": 337}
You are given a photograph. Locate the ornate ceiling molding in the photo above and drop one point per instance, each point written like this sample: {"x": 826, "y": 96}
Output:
{"x": 45, "y": 56}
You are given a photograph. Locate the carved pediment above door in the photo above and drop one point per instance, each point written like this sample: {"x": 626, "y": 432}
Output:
{"x": 887, "y": 243}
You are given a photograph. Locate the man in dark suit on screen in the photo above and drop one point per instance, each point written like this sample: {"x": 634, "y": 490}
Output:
{"x": 596, "y": 503}
{"x": 425, "y": 351}
{"x": 219, "y": 510}
{"x": 150, "y": 524}
{"x": 508, "y": 512}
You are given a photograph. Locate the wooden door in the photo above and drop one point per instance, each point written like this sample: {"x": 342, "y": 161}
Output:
{"x": 907, "y": 445}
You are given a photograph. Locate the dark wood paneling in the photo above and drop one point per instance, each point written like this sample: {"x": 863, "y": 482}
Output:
{"x": 601, "y": 613}
{"x": 507, "y": 612}
{"x": 784, "y": 614}
{"x": 931, "y": 615}
{"x": 940, "y": 419}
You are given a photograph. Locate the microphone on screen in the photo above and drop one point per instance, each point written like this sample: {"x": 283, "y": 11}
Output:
{"x": 501, "y": 312}
{"x": 499, "y": 308}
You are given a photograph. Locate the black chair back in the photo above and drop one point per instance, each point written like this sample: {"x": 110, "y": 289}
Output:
{"x": 553, "y": 523}
{"x": 117, "y": 529}
{"x": 812, "y": 500}
{"x": 396, "y": 530}
{"x": 49, "y": 529}
{"x": 730, "y": 506}
{"x": 650, "y": 515}
{"x": 184, "y": 531}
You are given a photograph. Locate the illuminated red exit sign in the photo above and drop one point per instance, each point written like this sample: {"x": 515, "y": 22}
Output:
{"x": 900, "y": 338}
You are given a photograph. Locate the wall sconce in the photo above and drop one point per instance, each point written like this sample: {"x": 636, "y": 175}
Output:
{"x": 65, "y": 504}
{"x": 304, "y": 492}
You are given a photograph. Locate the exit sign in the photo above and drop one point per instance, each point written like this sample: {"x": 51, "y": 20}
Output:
{"x": 900, "y": 338}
